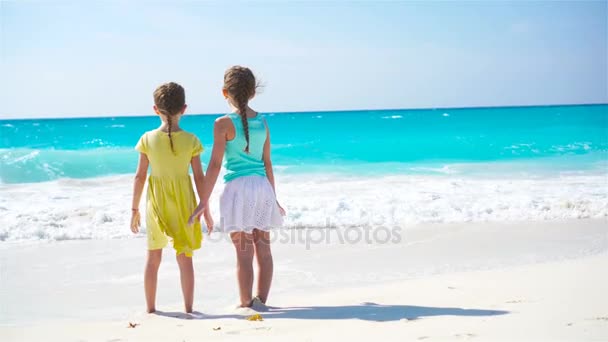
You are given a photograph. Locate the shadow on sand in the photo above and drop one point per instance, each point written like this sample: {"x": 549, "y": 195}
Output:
{"x": 365, "y": 311}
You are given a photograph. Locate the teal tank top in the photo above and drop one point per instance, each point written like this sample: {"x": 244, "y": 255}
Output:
{"x": 239, "y": 163}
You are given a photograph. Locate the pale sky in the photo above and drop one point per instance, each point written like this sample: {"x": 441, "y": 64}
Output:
{"x": 104, "y": 58}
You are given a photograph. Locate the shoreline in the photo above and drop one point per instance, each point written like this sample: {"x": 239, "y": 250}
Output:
{"x": 329, "y": 233}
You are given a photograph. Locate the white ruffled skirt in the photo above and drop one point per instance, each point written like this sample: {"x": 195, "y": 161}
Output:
{"x": 248, "y": 203}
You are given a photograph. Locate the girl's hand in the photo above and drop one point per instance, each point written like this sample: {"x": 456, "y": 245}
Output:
{"x": 135, "y": 221}
{"x": 208, "y": 220}
{"x": 281, "y": 209}
{"x": 196, "y": 214}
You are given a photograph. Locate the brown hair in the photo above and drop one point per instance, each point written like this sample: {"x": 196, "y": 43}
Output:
{"x": 240, "y": 84}
{"x": 169, "y": 99}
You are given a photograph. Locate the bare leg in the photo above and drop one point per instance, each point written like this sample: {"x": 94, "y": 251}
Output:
{"x": 186, "y": 271}
{"x": 263, "y": 255}
{"x": 151, "y": 277}
{"x": 243, "y": 244}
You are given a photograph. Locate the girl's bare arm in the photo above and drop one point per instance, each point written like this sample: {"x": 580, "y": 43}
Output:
{"x": 215, "y": 165}
{"x": 267, "y": 159}
{"x": 199, "y": 175}
{"x": 138, "y": 187}
{"x": 199, "y": 181}
{"x": 268, "y": 165}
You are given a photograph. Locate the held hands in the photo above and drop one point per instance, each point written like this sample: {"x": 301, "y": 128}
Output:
{"x": 202, "y": 209}
{"x": 197, "y": 213}
{"x": 208, "y": 220}
{"x": 135, "y": 221}
{"x": 281, "y": 210}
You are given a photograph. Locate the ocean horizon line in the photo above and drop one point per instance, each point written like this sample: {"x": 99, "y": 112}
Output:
{"x": 103, "y": 116}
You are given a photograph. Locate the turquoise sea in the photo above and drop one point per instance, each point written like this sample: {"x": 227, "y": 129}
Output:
{"x": 551, "y": 138}
{"x": 64, "y": 179}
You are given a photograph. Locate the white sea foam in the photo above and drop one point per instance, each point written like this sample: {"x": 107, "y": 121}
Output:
{"x": 446, "y": 169}
{"x": 22, "y": 159}
{"x": 99, "y": 208}
{"x": 392, "y": 117}
{"x": 574, "y": 147}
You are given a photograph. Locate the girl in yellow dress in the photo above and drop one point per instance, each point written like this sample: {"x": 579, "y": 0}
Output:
{"x": 169, "y": 151}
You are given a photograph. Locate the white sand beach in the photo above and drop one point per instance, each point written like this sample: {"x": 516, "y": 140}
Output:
{"x": 442, "y": 165}
{"x": 527, "y": 281}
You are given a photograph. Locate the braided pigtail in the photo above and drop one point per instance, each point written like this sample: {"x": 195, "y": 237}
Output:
{"x": 170, "y": 99}
{"x": 240, "y": 84}
{"x": 169, "y": 128}
{"x": 242, "y": 106}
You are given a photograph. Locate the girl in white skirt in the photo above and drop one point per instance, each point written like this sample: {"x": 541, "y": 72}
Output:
{"x": 248, "y": 205}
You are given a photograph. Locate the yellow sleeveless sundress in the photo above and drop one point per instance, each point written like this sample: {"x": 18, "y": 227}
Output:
{"x": 170, "y": 198}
